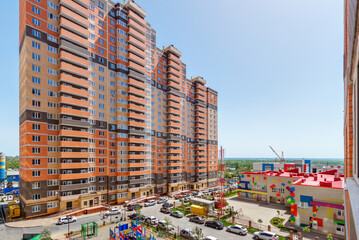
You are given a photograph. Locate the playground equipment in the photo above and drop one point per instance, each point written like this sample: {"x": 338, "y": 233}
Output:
{"x": 89, "y": 229}
{"x": 130, "y": 231}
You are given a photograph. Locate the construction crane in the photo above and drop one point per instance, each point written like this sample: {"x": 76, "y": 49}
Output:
{"x": 281, "y": 158}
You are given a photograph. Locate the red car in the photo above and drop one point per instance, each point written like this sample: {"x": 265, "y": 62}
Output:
{"x": 178, "y": 196}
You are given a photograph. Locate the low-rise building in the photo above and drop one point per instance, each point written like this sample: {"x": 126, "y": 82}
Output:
{"x": 315, "y": 199}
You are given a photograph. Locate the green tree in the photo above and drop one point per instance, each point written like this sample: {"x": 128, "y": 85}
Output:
{"x": 260, "y": 221}
{"x": 198, "y": 231}
{"x": 329, "y": 237}
{"x": 138, "y": 209}
{"x": 306, "y": 229}
{"x": 46, "y": 235}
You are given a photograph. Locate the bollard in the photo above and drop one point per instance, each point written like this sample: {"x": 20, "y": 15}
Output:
{"x": 250, "y": 224}
{"x": 300, "y": 236}
{"x": 291, "y": 234}
{"x": 233, "y": 220}
{"x": 218, "y": 215}
{"x": 269, "y": 228}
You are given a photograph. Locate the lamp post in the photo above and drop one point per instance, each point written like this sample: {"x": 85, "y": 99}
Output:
{"x": 68, "y": 226}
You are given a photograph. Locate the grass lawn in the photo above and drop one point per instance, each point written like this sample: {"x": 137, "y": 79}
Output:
{"x": 231, "y": 194}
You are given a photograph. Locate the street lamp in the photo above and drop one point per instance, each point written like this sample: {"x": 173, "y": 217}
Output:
{"x": 68, "y": 226}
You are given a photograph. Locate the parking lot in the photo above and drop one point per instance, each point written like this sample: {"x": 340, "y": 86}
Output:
{"x": 180, "y": 223}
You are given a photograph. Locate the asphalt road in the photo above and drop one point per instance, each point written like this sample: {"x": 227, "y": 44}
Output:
{"x": 180, "y": 223}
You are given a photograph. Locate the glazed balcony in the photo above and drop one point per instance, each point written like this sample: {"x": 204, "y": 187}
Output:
{"x": 74, "y": 165}
{"x": 74, "y": 144}
{"x": 72, "y": 187}
{"x": 174, "y": 85}
{"x": 134, "y": 148}
{"x": 74, "y": 59}
{"x": 72, "y": 133}
{"x": 74, "y": 101}
{"x": 74, "y": 91}
{"x": 76, "y": 123}
{"x": 74, "y": 154}
{"x": 74, "y": 80}
{"x": 74, "y": 112}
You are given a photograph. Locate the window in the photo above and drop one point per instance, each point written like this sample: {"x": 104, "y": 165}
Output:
{"x": 51, "y": 27}
{"x": 52, "y": 5}
{"x": 52, "y": 205}
{"x": 36, "y": 22}
{"x": 51, "y": 49}
{"x": 36, "y": 57}
{"x": 101, "y": 170}
{"x": 36, "y": 115}
{"x": 36, "y": 208}
{"x": 100, "y": 14}
{"x": 36, "y": 103}
{"x": 52, "y": 16}
{"x": 36, "y": 68}
{"x": 52, "y": 193}
{"x": 35, "y": 185}
{"x": 101, "y": 32}
{"x": 35, "y": 139}
{"x": 52, "y": 71}
{"x": 36, "y": 45}
{"x": 35, "y": 126}
{"x": 36, "y": 173}
{"x": 51, "y": 60}
{"x": 35, "y": 150}
{"x": 35, "y": 33}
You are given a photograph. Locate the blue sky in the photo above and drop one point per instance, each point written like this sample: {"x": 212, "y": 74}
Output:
{"x": 277, "y": 66}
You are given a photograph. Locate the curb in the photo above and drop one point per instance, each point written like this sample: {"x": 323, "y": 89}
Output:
{"x": 24, "y": 227}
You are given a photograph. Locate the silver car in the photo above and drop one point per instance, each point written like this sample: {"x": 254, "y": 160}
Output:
{"x": 237, "y": 229}
{"x": 177, "y": 214}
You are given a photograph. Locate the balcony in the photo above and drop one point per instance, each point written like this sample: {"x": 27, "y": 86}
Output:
{"x": 137, "y": 108}
{"x": 174, "y": 164}
{"x": 202, "y": 87}
{"x": 136, "y": 59}
{"x": 174, "y": 58}
{"x": 200, "y": 125}
{"x": 174, "y": 65}
{"x": 74, "y": 165}
{"x": 74, "y": 80}
{"x": 77, "y": 123}
{"x": 136, "y": 83}
{"x": 174, "y": 111}
{"x": 137, "y": 173}
{"x": 136, "y": 91}
{"x": 175, "y": 170}
{"x": 74, "y": 154}
{"x": 172, "y": 124}
{"x": 198, "y": 97}
{"x": 71, "y": 37}
{"x": 174, "y": 118}
{"x": 174, "y": 151}
{"x": 173, "y": 104}
{"x": 137, "y": 124}
{"x": 74, "y": 112}
{"x": 74, "y": 176}
{"x": 74, "y": 144}
{"x": 136, "y": 67}
{"x": 133, "y": 32}
{"x": 201, "y": 148}
{"x": 137, "y": 165}
{"x": 72, "y": 187}
{"x": 174, "y": 131}
{"x": 174, "y": 85}
{"x": 174, "y": 72}
{"x": 74, "y": 69}
{"x": 137, "y": 116}
{"x": 74, "y": 59}
{"x": 73, "y": 16}
{"x": 76, "y": 7}
{"x": 136, "y": 26}
{"x": 174, "y": 98}
{"x": 136, "y": 99}
{"x": 138, "y": 156}
{"x": 173, "y": 78}
{"x": 72, "y": 133}
{"x": 73, "y": 27}
{"x": 198, "y": 114}
{"x": 175, "y": 144}
{"x": 174, "y": 158}
{"x": 201, "y": 131}
{"x": 138, "y": 140}
{"x": 135, "y": 17}
{"x": 133, "y": 148}
{"x": 74, "y": 101}
{"x": 201, "y": 109}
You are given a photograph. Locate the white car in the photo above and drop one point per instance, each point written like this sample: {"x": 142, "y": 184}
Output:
{"x": 65, "y": 220}
{"x": 150, "y": 203}
{"x": 187, "y": 233}
{"x": 113, "y": 212}
{"x": 152, "y": 220}
{"x": 265, "y": 235}
{"x": 237, "y": 229}
{"x": 210, "y": 238}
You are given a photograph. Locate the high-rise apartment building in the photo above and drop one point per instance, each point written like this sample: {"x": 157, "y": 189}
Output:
{"x": 105, "y": 115}
{"x": 351, "y": 117}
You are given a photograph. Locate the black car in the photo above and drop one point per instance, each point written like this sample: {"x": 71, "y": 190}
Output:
{"x": 134, "y": 216}
{"x": 194, "y": 193}
{"x": 214, "y": 224}
{"x": 197, "y": 219}
{"x": 186, "y": 200}
{"x": 134, "y": 206}
{"x": 167, "y": 205}
{"x": 186, "y": 195}
{"x": 162, "y": 200}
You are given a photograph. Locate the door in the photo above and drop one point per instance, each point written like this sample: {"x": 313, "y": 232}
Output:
{"x": 315, "y": 224}
{"x": 91, "y": 203}
{"x": 133, "y": 195}
{"x": 69, "y": 205}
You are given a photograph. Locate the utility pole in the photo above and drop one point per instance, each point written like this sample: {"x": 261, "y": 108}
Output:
{"x": 68, "y": 226}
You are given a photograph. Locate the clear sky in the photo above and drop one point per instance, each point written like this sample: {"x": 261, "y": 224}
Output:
{"x": 277, "y": 66}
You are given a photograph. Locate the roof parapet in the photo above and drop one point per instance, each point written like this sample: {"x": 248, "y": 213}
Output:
{"x": 174, "y": 50}
{"x": 199, "y": 79}
{"x": 136, "y": 8}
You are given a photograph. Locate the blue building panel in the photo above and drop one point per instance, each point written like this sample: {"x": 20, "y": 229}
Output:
{"x": 264, "y": 165}
{"x": 307, "y": 199}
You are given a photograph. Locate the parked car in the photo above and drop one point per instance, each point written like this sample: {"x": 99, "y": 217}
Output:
{"x": 165, "y": 210}
{"x": 152, "y": 220}
{"x": 237, "y": 229}
{"x": 197, "y": 219}
{"x": 187, "y": 233}
{"x": 178, "y": 196}
{"x": 162, "y": 200}
{"x": 65, "y": 220}
{"x": 167, "y": 205}
{"x": 210, "y": 238}
{"x": 186, "y": 200}
{"x": 214, "y": 224}
{"x": 177, "y": 214}
{"x": 162, "y": 225}
{"x": 150, "y": 203}
{"x": 113, "y": 212}
{"x": 186, "y": 195}
{"x": 194, "y": 193}
{"x": 134, "y": 215}
{"x": 265, "y": 235}
{"x": 133, "y": 206}
{"x": 210, "y": 190}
